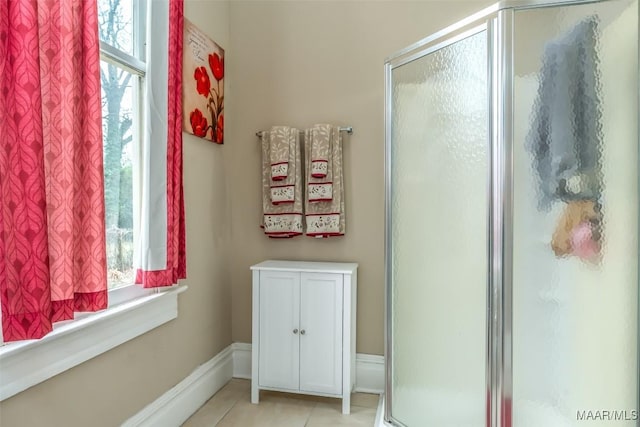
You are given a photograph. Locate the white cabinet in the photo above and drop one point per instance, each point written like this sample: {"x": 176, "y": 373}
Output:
{"x": 304, "y": 328}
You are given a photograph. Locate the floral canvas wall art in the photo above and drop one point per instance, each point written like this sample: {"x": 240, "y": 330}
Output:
{"x": 202, "y": 85}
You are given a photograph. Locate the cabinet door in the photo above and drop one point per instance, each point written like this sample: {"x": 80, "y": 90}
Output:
{"x": 279, "y": 318}
{"x": 321, "y": 341}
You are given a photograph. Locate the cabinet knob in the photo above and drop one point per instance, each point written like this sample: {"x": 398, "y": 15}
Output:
{"x": 302, "y": 332}
{"x": 295, "y": 331}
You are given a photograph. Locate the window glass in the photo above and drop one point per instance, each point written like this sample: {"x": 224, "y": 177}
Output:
{"x": 120, "y": 118}
{"x": 121, "y": 28}
{"x": 116, "y": 22}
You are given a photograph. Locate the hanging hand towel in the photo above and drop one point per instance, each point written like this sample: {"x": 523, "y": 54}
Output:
{"x": 282, "y": 219}
{"x": 320, "y": 148}
{"x": 285, "y": 136}
{"x": 279, "y": 152}
{"x": 320, "y": 185}
{"x": 325, "y": 218}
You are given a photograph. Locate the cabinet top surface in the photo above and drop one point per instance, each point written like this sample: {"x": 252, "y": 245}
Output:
{"x": 309, "y": 266}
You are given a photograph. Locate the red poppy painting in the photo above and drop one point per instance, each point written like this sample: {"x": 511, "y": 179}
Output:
{"x": 202, "y": 85}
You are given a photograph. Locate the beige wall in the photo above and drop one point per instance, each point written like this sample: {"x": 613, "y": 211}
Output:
{"x": 107, "y": 390}
{"x": 304, "y": 62}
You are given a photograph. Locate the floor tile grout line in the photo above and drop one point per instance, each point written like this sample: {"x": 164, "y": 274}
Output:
{"x": 313, "y": 409}
{"x": 306, "y": 423}
{"x": 228, "y": 410}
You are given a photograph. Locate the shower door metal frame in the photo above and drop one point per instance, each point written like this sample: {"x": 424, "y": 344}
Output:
{"x": 498, "y": 21}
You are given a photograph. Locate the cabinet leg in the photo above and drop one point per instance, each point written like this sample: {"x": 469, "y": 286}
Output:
{"x": 255, "y": 392}
{"x": 346, "y": 403}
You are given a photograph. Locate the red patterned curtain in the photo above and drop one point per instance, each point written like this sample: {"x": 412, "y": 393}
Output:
{"x": 52, "y": 232}
{"x": 173, "y": 260}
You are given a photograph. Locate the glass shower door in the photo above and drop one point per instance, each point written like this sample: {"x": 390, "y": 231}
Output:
{"x": 575, "y": 226}
{"x": 438, "y": 170}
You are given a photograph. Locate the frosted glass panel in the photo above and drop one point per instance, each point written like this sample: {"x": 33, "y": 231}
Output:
{"x": 575, "y": 291}
{"x": 439, "y": 170}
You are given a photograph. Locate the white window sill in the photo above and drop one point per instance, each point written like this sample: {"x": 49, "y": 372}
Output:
{"x": 25, "y": 364}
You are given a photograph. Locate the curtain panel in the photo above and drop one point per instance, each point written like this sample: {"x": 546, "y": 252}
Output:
{"x": 52, "y": 229}
{"x": 161, "y": 255}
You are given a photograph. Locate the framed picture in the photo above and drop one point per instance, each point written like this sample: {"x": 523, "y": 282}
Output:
{"x": 202, "y": 85}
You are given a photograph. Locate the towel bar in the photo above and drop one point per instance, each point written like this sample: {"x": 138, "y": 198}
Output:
{"x": 347, "y": 129}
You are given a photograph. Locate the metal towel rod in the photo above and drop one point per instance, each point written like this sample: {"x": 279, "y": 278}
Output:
{"x": 347, "y": 129}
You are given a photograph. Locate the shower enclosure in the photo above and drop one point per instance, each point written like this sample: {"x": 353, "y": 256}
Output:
{"x": 512, "y": 206}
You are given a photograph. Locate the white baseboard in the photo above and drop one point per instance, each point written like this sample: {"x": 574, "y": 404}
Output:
{"x": 369, "y": 373}
{"x": 175, "y": 406}
{"x": 241, "y": 360}
{"x": 369, "y": 368}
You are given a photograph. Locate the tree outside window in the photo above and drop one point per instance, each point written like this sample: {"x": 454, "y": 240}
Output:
{"x": 121, "y": 123}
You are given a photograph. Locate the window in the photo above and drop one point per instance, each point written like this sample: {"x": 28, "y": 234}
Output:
{"x": 122, "y": 69}
{"x": 133, "y": 310}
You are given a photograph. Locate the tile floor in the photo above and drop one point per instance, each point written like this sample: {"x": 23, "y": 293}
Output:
{"x": 231, "y": 406}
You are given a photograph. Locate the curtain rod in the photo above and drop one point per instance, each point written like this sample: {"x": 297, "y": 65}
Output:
{"x": 347, "y": 129}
